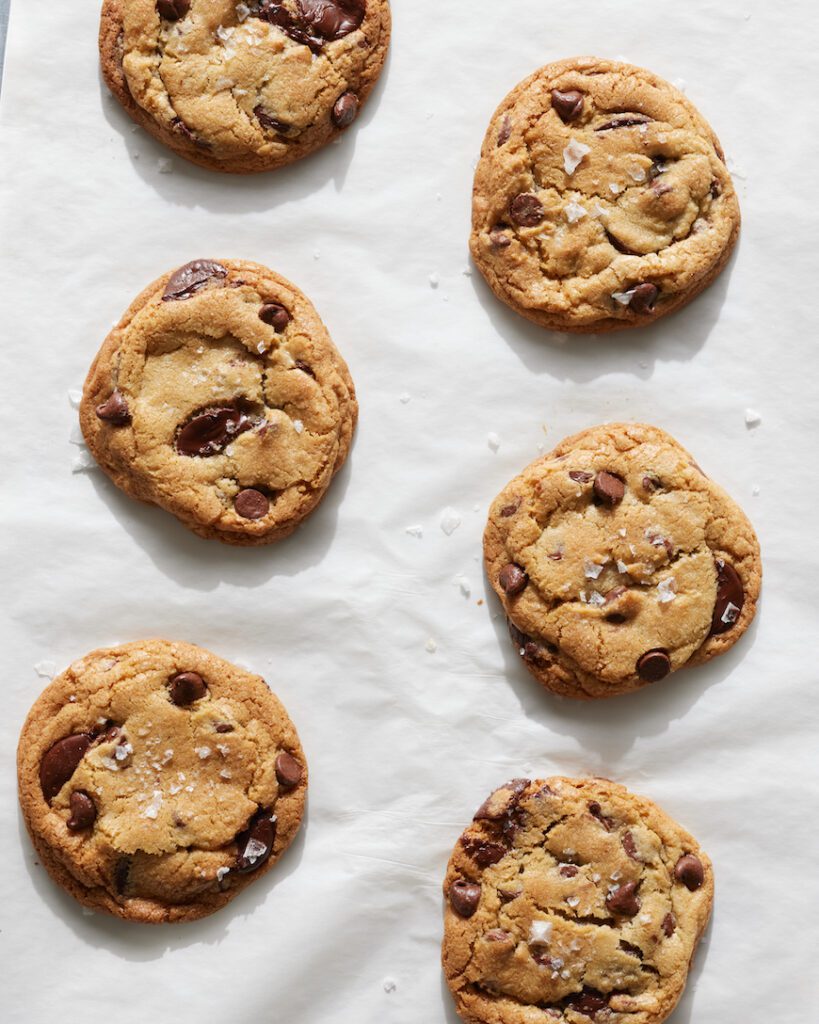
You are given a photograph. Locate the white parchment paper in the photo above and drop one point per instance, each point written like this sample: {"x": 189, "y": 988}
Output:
{"x": 405, "y": 736}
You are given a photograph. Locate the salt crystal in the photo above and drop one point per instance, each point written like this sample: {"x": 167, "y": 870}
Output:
{"x": 226, "y": 773}
{"x": 615, "y": 188}
{"x": 624, "y": 298}
{"x": 165, "y": 165}
{"x": 591, "y": 570}
{"x": 574, "y": 212}
{"x": 434, "y": 280}
{"x": 298, "y": 426}
{"x": 755, "y": 490}
{"x": 621, "y": 567}
{"x": 405, "y": 397}
{"x": 203, "y": 752}
{"x": 122, "y": 751}
{"x": 637, "y": 173}
{"x": 75, "y": 437}
{"x": 389, "y": 985}
{"x": 46, "y": 669}
{"x": 597, "y": 600}
{"x": 573, "y": 155}
{"x": 731, "y": 613}
{"x": 431, "y": 646}
{"x": 221, "y": 872}
{"x": 465, "y": 586}
{"x": 752, "y": 418}
{"x": 152, "y": 810}
{"x": 573, "y": 900}
{"x": 540, "y": 932}
{"x": 75, "y": 397}
{"x": 450, "y": 520}
{"x": 493, "y": 441}
{"x": 415, "y": 531}
{"x": 667, "y": 590}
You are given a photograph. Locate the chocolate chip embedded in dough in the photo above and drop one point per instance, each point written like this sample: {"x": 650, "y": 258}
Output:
{"x": 114, "y": 409}
{"x": 654, "y": 666}
{"x": 567, "y": 105}
{"x": 690, "y": 872}
{"x": 609, "y": 489}
{"x": 512, "y": 579}
{"x": 464, "y": 897}
{"x": 624, "y": 900}
{"x": 60, "y": 762}
{"x": 191, "y": 278}
{"x": 288, "y": 770}
{"x": 345, "y": 110}
{"x": 730, "y": 598}
{"x": 526, "y": 210}
{"x": 251, "y": 504}
{"x": 187, "y": 687}
{"x": 83, "y": 811}
{"x": 255, "y": 844}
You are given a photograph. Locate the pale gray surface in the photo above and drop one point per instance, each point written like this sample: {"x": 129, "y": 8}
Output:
{"x": 403, "y": 744}
{"x": 4, "y": 20}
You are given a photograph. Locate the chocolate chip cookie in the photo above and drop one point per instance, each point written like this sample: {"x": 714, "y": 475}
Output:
{"x": 572, "y": 900}
{"x": 220, "y": 397}
{"x": 618, "y": 561}
{"x": 157, "y": 781}
{"x": 601, "y": 199}
{"x": 243, "y": 87}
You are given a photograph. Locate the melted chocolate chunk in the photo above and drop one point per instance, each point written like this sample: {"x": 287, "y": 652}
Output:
{"x": 505, "y": 130}
{"x": 624, "y": 900}
{"x": 464, "y": 897}
{"x": 567, "y": 105}
{"x": 526, "y": 210}
{"x": 268, "y": 121}
{"x": 730, "y": 598}
{"x": 483, "y": 853}
{"x": 255, "y": 844}
{"x": 609, "y": 489}
{"x": 690, "y": 872}
{"x": 512, "y": 579}
{"x": 172, "y": 10}
{"x": 644, "y": 298}
{"x": 114, "y": 410}
{"x": 274, "y": 314}
{"x": 315, "y": 22}
{"x": 83, "y": 811}
{"x": 191, "y": 278}
{"x": 60, "y": 762}
{"x": 211, "y": 431}
{"x": 624, "y": 121}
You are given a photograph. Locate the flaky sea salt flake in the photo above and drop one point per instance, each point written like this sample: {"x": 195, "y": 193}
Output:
{"x": 450, "y": 520}
{"x": 573, "y": 155}
{"x": 667, "y": 590}
{"x": 574, "y": 212}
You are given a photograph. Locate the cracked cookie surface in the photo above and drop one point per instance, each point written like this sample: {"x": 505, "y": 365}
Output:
{"x": 601, "y": 199}
{"x": 243, "y": 87}
{"x": 618, "y": 561}
{"x": 157, "y": 780}
{"x": 221, "y": 398}
{"x": 575, "y": 901}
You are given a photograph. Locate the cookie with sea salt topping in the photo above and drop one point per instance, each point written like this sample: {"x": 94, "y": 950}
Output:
{"x": 157, "y": 781}
{"x": 618, "y": 561}
{"x": 220, "y": 397}
{"x": 575, "y": 901}
{"x": 601, "y": 198}
{"x": 243, "y": 87}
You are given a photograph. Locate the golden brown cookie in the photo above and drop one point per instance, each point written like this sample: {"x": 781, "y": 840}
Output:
{"x": 601, "y": 198}
{"x": 618, "y": 561}
{"x": 157, "y": 781}
{"x": 243, "y": 87}
{"x": 220, "y": 397}
{"x": 575, "y": 901}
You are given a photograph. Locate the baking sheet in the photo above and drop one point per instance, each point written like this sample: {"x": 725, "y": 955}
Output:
{"x": 385, "y": 646}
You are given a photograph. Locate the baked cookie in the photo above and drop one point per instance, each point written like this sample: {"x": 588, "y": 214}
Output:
{"x": 220, "y": 397}
{"x": 618, "y": 561}
{"x": 157, "y": 781}
{"x": 601, "y": 198}
{"x": 243, "y": 87}
{"x": 572, "y": 900}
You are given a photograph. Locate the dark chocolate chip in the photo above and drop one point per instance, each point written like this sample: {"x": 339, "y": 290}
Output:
{"x": 314, "y": 22}
{"x": 187, "y": 687}
{"x": 630, "y": 846}
{"x": 172, "y": 10}
{"x": 122, "y": 870}
{"x": 715, "y": 190}
{"x": 624, "y": 900}
{"x": 567, "y": 105}
{"x": 690, "y": 872}
{"x": 268, "y": 121}
{"x": 624, "y": 121}
{"x": 482, "y": 852}
{"x": 191, "y": 278}
{"x": 502, "y": 801}
{"x": 568, "y": 870}
{"x": 275, "y": 315}
{"x": 588, "y": 1002}
{"x": 512, "y": 579}
{"x": 507, "y": 895}
{"x": 83, "y": 811}
{"x": 60, "y": 762}
{"x": 288, "y": 770}
{"x": 654, "y": 666}
{"x": 628, "y": 947}
{"x": 464, "y": 897}
{"x": 609, "y": 489}
{"x": 211, "y": 431}
{"x": 497, "y": 935}
{"x": 114, "y": 409}
{"x": 505, "y": 130}
{"x": 299, "y": 365}
{"x": 651, "y": 483}
{"x": 498, "y": 239}
{"x": 251, "y": 504}
{"x": 730, "y": 598}
{"x": 669, "y": 925}
{"x": 596, "y": 811}
{"x": 255, "y": 844}
{"x": 223, "y": 727}
{"x": 345, "y": 110}
{"x": 526, "y": 210}
{"x": 644, "y": 298}
{"x": 510, "y": 510}
{"x": 615, "y": 594}
{"x": 181, "y": 128}
{"x": 580, "y": 477}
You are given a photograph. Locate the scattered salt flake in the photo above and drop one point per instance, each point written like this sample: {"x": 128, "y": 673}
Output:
{"x": 637, "y": 173}
{"x": 221, "y": 872}
{"x": 597, "y": 600}
{"x": 389, "y": 985}
{"x": 540, "y": 932}
{"x": 467, "y": 271}
{"x": 624, "y": 298}
{"x": 615, "y": 188}
{"x": 298, "y": 426}
{"x": 46, "y": 669}
{"x": 667, "y": 590}
{"x": 450, "y": 520}
{"x": 173, "y": 790}
{"x": 165, "y": 165}
{"x": 152, "y": 810}
{"x": 645, "y": 918}
{"x": 434, "y": 280}
{"x": 463, "y": 583}
{"x": 591, "y": 570}
{"x": 431, "y": 646}
{"x": 226, "y": 773}
{"x": 573, "y": 900}
{"x": 405, "y": 397}
{"x": 574, "y": 212}
{"x": 203, "y": 752}
{"x": 599, "y": 211}
{"x": 254, "y": 850}
{"x": 731, "y": 613}
{"x": 755, "y": 490}
{"x": 573, "y": 155}
{"x": 123, "y": 751}
{"x": 75, "y": 437}
{"x": 109, "y": 763}
{"x": 75, "y": 397}
{"x": 415, "y": 531}
{"x": 621, "y": 567}
{"x": 752, "y": 418}
{"x": 493, "y": 440}
{"x": 679, "y": 83}
{"x": 223, "y": 749}
{"x": 622, "y": 531}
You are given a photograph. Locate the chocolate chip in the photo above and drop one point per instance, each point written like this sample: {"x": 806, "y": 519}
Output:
{"x": 255, "y": 844}
{"x": 114, "y": 409}
{"x": 620, "y": 246}
{"x": 644, "y": 298}
{"x": 498, "y": 239}
{"x": 482, "y": 852}
{"x": 505, "y": 130}
{"x": 567, "y": 105}
{"x": 83, "y": 811}
{"x": 274, "y": 314}
{"x": 632, "y": 950}
{"x": 588, "y": 1002}
{"x": 669, "y": 925}
{"x": 715, "y": 191}
{"x": 251, "y": 504}
{"x": 512, "y": 579}
{"x": 624, "y": 121}
{"x": 299, "y": 365}
{"x": 507, "y": 895}
{"x": 122, "y": 870}
{"x": 730, "y": 598}
{"x": 191, "y": 278}
{"x": 654, "y": 666}
{"x": 345, "y": 110}
{"x": 624, "y": 900}
{"x": 181, "y": 128}
{"x": 630, "y": 846}
{"x": 464, "y": 897}
{"x": 568, "y": 870}
{"x": 60, "y": 762}
{"x": 314, "y": 22}
{"x": 502, "y": 801}
{"x": 172, "y": 10}
{"x": 615, "y": 594}
{"x": 212, "y": 430}
{"x": 510, "y": 510}
{"x": 690, "y": 872}
{"x": 288, "y": 770}
{"x": 609, "y": 488}
{"x": 268, "y": 121}
{"x": 651, "y": 483}
{"x": 596, "y": 811}
{"x": 187, "y": 687}
{"x": 497, "y": 935}
{"x": 580, "y": 477}
{"x": 526, "y": 209}
{"x": 223, "y": 727}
